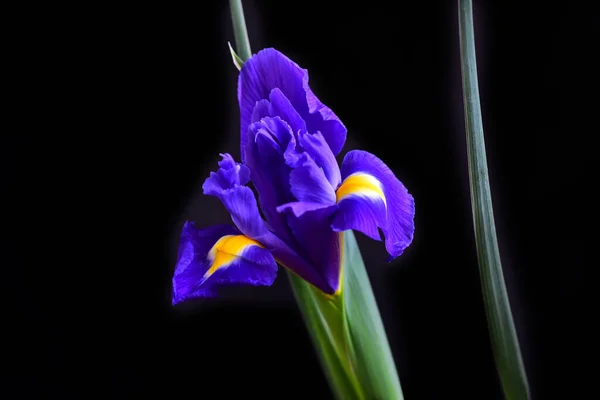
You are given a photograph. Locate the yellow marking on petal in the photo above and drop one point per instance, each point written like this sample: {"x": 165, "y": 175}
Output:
{"x": 226, "y": 250}
{"x": 360, "y": 184}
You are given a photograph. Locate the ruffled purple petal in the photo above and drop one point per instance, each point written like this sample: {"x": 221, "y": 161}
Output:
{"x": 278, "y": 106}
{"x": 371, "y": 196}
{"x": 265, "y": 156}
{"x": 227, "y": 184}
{"x": 281, "y": 107}
{"x": 309, "y": 184}
{"x": 268, "y": 156}
{"x": 218, "y": 256}
{"x": 298, "y": 208}
{"x": 316, "y": 146}
{"x": 269, "y": 69}
{"x": 230, "y": 173}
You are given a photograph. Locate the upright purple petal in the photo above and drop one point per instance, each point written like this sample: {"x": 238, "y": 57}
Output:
{"x": 260, "y": 111}
{"x": 218, "y": 256}
{"x": 316, "y": 146}
{"x": 371, "y": 196}
{"x": 308, "y": 182}
{"x": 265, "y": 155}
{"x": 270, "y": 69}
{"x": 278, "y": 106}
{"x": 227, "y": 184}
{"x": 281, "y": 107}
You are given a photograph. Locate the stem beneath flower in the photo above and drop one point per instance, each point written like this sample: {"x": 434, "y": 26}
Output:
{"x": 242, "y": 42}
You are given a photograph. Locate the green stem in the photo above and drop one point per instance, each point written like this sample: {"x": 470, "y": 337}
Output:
{"x": 242, "y": 43}
{"x": 503, "y": 335}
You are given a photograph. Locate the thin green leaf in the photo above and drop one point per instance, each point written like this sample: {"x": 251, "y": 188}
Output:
{"x": 237, "y": 61}
{"x": 348, "y": 332}
{"x": 503, "y": 335}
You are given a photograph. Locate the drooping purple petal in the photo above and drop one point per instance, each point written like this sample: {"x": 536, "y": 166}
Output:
{"x": 309, "y": 220}
{"x": 318, "y": 243}
{"x": 296, "y": 262}
{"x": 269, "y": 69}
{"x": 309, "y": 184}
{"x": 371, "y": 196}
{"x": 316, "y": 146}
{"x": 360, "y": 213}
{"x": 227, "y": 184}
{"x": 217, "y": 256}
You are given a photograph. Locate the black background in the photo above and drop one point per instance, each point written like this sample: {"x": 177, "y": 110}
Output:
{"x": 122, "y": 111}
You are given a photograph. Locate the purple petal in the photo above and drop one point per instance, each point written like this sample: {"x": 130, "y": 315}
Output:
{"x": 260, "y": 111}
{"x": 316, "y": 146}
{"x": 218, "y": 256}
{"x": 226, "y": 184}
{"x": 300, "y": 207}
{"x": 279, "y": 130}
{"x": 270, "y": 173}
{"x": 281, "y": 107}
{"x": 361, "y": 214}
{"x": 319, "y": 244}
{"x": 229, "y": 174}
{"x": 371, "y": 196}
{"x": 297, "y": 262}
{"x": 309, "y": 184}
{"x": 270, "y": 69}
{"x": 241, "y": 204}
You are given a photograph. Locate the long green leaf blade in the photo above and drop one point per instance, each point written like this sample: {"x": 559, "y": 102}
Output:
{"x": 348, "y": 332}
{"x": 503, "y": 335}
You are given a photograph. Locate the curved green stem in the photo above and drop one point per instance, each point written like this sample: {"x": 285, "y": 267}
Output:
{"x": 502, "y": 330}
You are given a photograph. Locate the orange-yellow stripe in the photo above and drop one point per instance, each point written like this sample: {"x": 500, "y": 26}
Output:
{"x": 226, "y": 250}
{"x": 360, "y": 184}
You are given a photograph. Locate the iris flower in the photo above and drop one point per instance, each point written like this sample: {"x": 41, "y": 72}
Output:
{"x": 289, "y": 143}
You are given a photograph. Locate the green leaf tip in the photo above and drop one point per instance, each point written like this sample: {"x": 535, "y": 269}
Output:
{"x": 237, "y": 61}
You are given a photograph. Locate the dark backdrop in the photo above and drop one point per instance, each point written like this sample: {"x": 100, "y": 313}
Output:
{"x": 125, "y": 110}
